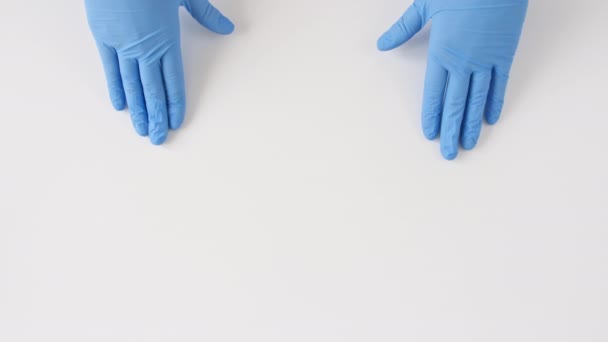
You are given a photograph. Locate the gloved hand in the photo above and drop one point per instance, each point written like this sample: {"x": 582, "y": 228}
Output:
{"x": 139, "y": 43}
{"x": 471, "y": 51}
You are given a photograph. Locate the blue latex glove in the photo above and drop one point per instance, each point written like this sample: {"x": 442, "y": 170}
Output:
{"x": 471, "y": 51}
{"x": 139, "y": 43}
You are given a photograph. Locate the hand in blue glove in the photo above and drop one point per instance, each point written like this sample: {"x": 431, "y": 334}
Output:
{"x": 139, "y": 43}
{"x": 471, "y": 51}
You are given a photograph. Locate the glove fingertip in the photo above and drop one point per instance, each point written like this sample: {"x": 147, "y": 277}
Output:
{"x": 119, "y": 103}
{"x": 141, "y": 128}
{"x": 224, "y": 26}
{"x": 386, "y": 42}
{"x": 221, "y": 25}
{"x": 430, "y": 134}
{"x": 469, "y": 143}
{"x": 493, "y": 115}
{"x": 176, "y": 117}
{"x": 117, "y": 97}
{"x": 430, "y": 128}
{"x": 449, "y": 154}
{"x": 158, "y": 137}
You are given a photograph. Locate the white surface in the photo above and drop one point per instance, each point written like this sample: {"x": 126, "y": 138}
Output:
{"x": 301, "y": 202}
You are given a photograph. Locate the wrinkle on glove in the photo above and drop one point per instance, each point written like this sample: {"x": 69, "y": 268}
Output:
{"x": 472, "y": 46}
{"x": 140, "y": 49}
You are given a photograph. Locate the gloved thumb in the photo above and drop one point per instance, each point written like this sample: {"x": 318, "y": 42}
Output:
{"x": 209, "y": 16}
{"x": 403, "y": 30}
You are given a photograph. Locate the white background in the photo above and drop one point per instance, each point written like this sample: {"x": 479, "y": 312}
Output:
{"x": 301, "y": 201}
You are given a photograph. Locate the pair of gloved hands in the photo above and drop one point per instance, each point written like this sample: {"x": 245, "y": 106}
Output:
{"x": 473, "y": 43}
